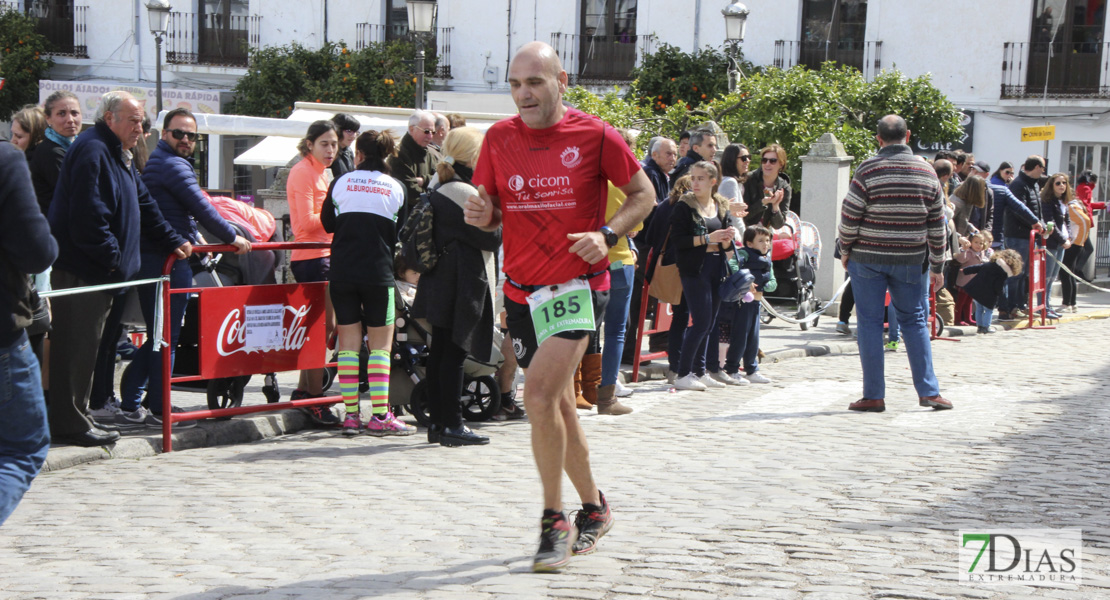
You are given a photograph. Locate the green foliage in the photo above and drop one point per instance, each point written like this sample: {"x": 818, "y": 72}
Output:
{"x": 794, "y": 107}
{"x": 279, "y": 76}
{"x": 671, "y": 77}
{"x": 23, "y": 61}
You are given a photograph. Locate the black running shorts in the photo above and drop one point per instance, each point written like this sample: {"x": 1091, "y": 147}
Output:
{"x": 371, "y": 305}
{"x": 519, "y": 320}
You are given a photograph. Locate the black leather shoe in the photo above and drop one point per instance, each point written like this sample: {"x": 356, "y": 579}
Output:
{"x": 103, "y": 426}
{"x": 90, "y": 438}
{"x": 434, "y": 432}
{"x": 461, "y": 436}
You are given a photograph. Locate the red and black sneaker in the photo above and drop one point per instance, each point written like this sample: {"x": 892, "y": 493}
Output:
{"x": 321, "y": 416}
{"x": 556, "y": 538}
{"x": 592, "y": 522}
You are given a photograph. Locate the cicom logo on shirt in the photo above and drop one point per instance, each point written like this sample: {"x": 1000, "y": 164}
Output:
{"x": 571, "y": 157}
{"x": 516, "y": 183}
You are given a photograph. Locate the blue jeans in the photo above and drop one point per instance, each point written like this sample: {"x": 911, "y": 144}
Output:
{"x": 616, "y": 318}
{"x": 146, "y": 368}
{"x": 983, "y": 315}
{"x": 702, "y": 298}
{"x": 743, "y": 339}
{"x": 1017, "y": 288}
{"x": 24, "y": 433}
{"x": 1052, "y": 271}
{"x": 891, "y": 324}
{"x": 907, "y": 285}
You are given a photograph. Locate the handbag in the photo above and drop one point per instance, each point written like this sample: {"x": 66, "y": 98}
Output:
{"x": 666, "y": 285}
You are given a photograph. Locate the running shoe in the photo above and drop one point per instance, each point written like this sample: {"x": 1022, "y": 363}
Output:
{"x": 557, "y": 536}
{"x": 319, "y": 415}
{"x": 892, "y": 346}
{"x": 723, "y": 377}
{"x": 622, "y": 392}
{"x": 510, "y": 411}
{"x": 689, "y": 382}
{"x": 592, "y": 522}
{"x": 710, "y": 383}
{"x": 758, "y": 377}
{"x": 108, "y": 412}
{"x": 842, "y": 327}
{"x": 352, "y": 425}
{"x": 388, "y": 425}
{"x": 154, "y": 421}
{"x": 738, "y": 378}
{"x": 135, "y": 417}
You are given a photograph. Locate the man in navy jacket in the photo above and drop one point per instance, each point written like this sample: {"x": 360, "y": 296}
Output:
{"x": 99, "y": 211}
{"x": 26, "y": 246}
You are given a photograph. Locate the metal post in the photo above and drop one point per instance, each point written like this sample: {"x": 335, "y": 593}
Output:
{"x": 158, "y": 73}
{"x": 419, "y": 72}
{"x": 733, "y": 68}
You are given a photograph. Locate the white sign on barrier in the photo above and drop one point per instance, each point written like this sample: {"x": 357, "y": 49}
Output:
{"x": 262, "y": 326}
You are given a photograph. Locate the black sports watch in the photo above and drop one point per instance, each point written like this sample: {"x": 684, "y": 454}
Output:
{"x": 611, "y": 237}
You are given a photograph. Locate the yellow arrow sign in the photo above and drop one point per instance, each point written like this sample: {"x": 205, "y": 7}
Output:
{"x": 1038, "y": 134}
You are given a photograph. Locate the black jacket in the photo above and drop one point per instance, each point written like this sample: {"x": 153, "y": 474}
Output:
{"x": 753, "y": 197}
{"x": 1055, "y": 212}
{"x": 26, "y": 245}
{"x": 1025, "y": 189}
{"x": 46, "y": 163}
{"x": 344, "y": 163}
{"x": 986, "y": 286}
{"x": 456, "y": 293}
{"x": 686, "y": 225}
{"x": 684, "y": 165}
{"x": 659, "y": 180}
{"x": 412, "y": 162}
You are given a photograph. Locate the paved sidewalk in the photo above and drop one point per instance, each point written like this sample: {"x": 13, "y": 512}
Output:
{"x": 771, "y": 492}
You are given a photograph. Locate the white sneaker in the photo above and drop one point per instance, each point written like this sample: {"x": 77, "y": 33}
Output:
{"x": 671, "y": 376}
{"x": 723, "y": 377}
{"x": 108, "y": 412}
{"x": 689, "y": 382}
{"x": 739, "y": 379}
{"x": 709, "y": 382}
{"x": 758, "y": 377}
{"x": 622, "y": 392}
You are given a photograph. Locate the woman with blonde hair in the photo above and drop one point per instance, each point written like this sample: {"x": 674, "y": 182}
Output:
{"x": 28, "y": 128}
{"x": 971, "y": 194}
{"x": 767, "y": 190}
{"x": 306, "y": 190}
{"x": 456, "y": 296}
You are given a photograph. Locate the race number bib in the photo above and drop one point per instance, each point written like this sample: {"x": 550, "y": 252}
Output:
{"x": 564, "y": 307}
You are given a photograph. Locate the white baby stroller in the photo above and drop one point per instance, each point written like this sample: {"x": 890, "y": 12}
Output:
{"x": 794, "y": 253}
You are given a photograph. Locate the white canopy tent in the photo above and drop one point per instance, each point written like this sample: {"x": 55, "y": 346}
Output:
{"x": 282, "y": 135}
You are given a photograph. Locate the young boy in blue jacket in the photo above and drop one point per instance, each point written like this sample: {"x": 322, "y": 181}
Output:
{"x": 744, "y": 339}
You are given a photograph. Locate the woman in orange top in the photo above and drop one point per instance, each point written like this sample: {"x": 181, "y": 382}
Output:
{"x": 306, "y": 189}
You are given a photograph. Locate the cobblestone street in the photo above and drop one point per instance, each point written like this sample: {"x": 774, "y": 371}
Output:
{"x": 771, "y": 492}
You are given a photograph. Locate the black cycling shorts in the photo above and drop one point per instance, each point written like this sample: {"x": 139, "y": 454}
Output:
{"x": 371, "y": 305}
{"x": 519, "y": 319}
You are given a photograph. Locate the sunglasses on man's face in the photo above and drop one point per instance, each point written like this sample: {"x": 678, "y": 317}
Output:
{"x": 426, "y": 131}
{"x": 179, "y": 135}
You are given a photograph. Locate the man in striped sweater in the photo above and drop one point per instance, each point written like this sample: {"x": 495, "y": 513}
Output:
{"x": 892, "y": 237}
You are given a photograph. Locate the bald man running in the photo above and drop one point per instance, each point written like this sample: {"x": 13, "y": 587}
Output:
{"x": 543, "y": 175}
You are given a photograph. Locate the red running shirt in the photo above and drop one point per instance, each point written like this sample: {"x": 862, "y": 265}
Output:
{"x": 549, "y": 183}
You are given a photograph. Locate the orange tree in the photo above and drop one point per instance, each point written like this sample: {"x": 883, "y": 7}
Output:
{"x": 278, "y": 76}
{"x": 23, "y": 61}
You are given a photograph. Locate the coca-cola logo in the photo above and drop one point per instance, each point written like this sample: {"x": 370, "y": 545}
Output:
{"x": 233, "y": 332}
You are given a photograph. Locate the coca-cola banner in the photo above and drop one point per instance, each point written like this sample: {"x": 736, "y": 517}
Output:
{"x": 261, "y": 329}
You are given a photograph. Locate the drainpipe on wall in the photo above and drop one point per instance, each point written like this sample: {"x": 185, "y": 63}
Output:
{"x": 508, "y": 40}
{"x": 325, "y": 22}
{"x": 697, "y": 24}
{"x": 138, "y": 42}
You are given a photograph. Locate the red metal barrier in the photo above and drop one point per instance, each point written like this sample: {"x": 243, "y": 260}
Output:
{"x": 661, "y": 322}
{"x": 227, "y": 345}
{"x": 1038, "y": 281}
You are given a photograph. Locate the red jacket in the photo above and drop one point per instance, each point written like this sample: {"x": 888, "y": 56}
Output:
{"x": 1084, "y": 191}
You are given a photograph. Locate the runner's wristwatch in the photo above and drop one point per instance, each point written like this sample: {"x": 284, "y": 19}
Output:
{"x": 611, "y": 237}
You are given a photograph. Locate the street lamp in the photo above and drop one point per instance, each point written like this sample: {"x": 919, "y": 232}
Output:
{"x": 159, "y": 13}
{"x": 422, "y": 18}
{"x": 736, "y": 21}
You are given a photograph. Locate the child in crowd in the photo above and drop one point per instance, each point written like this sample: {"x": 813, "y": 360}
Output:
{"x": 973, "y": 251}
{"x": 405, "y": 279}
{"x": 744, "y": 338}
{"x": 988, "y": 282}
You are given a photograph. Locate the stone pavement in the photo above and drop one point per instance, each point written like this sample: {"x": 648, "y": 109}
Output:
{"x": 771, "y": 492}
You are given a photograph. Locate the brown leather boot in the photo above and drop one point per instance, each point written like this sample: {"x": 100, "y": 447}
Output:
{"x": 607, "y": 403}
{"x": 579, "y": 400}
{"x": 591, "y": 377}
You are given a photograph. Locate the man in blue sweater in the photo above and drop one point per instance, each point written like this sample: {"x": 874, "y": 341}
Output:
{"x": 100, "y": 210}
{"x": 172, "y": 182}
{"x": 26, "y": 246}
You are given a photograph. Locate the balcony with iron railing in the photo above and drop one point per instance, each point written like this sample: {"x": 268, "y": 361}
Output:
{"x": 213, "y": 40}
{"x": 440, "y": 48}
{"x": 865, "y": 56}
{"x": 62, "y": 24}
{"x": 1058, "y": 70}
{"x": 601, "y": 59}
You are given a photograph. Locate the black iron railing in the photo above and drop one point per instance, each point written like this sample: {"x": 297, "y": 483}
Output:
{"x": 1056, "y": 70}
{"x": 601, "y": 58}
{"x": 440, "y": 47}
{"x": 865, "y": 56}
{"x": 215, "y": 40}
{"x": 61, "y": 23}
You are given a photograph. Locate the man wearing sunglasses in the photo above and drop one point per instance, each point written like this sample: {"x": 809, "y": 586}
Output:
{"x": 172, "y": 182}
{"x": 414, "y": 164}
